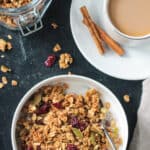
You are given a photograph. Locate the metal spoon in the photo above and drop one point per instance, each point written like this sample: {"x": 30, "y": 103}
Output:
{"x": 103, "y": 124}
{"x": 108, "y": 136}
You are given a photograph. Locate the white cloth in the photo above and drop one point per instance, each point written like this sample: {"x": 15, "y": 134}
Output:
{"x": 141, "y": 137}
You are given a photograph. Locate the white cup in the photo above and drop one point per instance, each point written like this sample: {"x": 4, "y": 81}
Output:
{"x": 117, "y": 35}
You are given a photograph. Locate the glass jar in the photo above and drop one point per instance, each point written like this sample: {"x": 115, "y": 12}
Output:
{"x": 27, "y": 19}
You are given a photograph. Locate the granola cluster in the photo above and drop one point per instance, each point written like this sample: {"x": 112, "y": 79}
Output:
{"x": 57, "y": 47}
{"x": 65, "y": 61}
{"x": 4, "y": 45}
{"x": 55, "y": 120}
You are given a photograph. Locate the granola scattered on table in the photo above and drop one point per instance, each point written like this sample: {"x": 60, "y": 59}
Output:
{"x": 54, "y": 25}
{"x": 4, "y": 45}
{"x": 126, "y": 98}
{"x": 4, "y": 80}
{"x": 65, "y": 61}
{"x": 14, "y": 82}
{"x": 55, "y": 120}
{"x": 57, "y": 48}
{"x": 1, "y": 85}
{"x": 5, "y": 69}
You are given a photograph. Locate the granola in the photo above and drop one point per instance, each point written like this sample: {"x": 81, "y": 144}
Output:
{"x": 4, "y": 45}
{"x": 57, "y": 48}
{"x": 14, "y": 83}
{"x": 5, "y": 69}
{"x": 4, "y": 80}
{"x": 65, "y": 60}
{"x": 13, "y": 3}
{"x": 1, "y": 85}
{"x": 126, "y": 98}
{"x": 54, "y": 25}
{"x": 53, "y": 119}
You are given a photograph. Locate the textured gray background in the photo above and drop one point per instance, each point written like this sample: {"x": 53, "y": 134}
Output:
{"x": 26, "y": 60}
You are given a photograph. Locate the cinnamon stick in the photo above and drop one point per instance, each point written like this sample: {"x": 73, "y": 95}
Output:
{"x": 109, "y": 41}
{"x": 92, "y": 29}
{"x": 99, "y": 35}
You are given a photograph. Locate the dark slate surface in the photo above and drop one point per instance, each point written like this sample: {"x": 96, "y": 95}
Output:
{"x": 26, "y": 60}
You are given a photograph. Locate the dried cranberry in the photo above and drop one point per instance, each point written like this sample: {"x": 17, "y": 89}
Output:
{"x": 82, "y": 126}
{"x": 43, "y": 109}
{"x": 71, "y": 147}
{"x": 57, "y": 105}
{"x": 74, "y": 122}
{"x": 50, "y": 61}
{"x": 38, "y": 147}
{"x": 77, "y": 124}
{"x": 29, "y": 148}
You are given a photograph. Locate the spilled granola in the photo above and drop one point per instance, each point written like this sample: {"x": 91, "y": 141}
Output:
{"x": 4, "y": 80}
{"x": 57, "y": 48}
{"x": 1, "y": 85}
{"x": 65, "y": 61}
{"x": 126, "y": 98}
{"x": 54, "y": 25}
{"x": 4, "y": 45}
{"x": 55, "y": 120}
{"x": 14, "y": 83}
{"x": 5, "y": 69}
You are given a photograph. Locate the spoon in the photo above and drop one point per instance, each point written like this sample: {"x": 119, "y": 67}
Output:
{"x": 103, "y": 126}
{"x": 108, "y": 136}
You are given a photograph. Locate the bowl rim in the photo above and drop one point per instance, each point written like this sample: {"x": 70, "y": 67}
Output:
{"x": 44, "y": 82}
{"x": 106, "y": 4}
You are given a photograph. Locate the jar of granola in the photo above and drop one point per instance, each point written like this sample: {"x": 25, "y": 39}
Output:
{"x": 23, "y": 15}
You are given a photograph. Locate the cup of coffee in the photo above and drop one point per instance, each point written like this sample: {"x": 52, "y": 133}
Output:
{"x": 128, "y": 21}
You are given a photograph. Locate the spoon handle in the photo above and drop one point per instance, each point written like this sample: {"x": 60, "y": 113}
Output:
{"x": 109, "y": 139}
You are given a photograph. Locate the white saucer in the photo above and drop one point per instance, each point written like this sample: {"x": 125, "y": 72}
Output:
{"x": 134, "y": 65}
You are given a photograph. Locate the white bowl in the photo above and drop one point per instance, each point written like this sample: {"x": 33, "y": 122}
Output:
{"x": 120, "y": 37}
{"x": 78, "y": 84}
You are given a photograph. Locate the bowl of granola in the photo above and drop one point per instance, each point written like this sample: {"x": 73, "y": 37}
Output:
{"x": 65, "y": 113}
